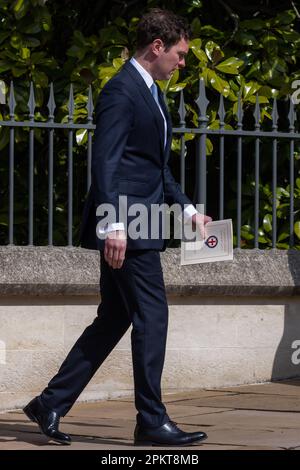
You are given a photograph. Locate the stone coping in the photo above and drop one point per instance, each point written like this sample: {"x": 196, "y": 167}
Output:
{"x": 44, "y": 271}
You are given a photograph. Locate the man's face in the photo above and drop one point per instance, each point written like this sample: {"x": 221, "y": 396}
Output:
{"x": 167, "y": 61}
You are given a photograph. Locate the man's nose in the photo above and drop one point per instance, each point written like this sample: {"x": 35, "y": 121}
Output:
{"x": 181, "y": 63}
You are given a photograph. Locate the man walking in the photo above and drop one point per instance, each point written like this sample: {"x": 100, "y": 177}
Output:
{"x": 130, "y": 158}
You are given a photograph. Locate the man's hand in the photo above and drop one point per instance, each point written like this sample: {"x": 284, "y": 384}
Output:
{"x": 199, "y": 221}
{"x": 115, "y": 247}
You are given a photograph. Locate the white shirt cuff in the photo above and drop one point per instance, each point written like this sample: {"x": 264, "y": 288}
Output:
{"x": 111, "y": 228}
{"x": 189, "y": 211}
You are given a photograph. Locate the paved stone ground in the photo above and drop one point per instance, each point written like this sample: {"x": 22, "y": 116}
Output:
{"x": 260, "y": 417}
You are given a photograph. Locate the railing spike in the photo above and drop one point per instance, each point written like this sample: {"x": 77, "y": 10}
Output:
{"x": 240, "y": 112}
{"x": 90, "y": 105}
{"x": 292, "y": 115}
{"x": 51, "y": 103}
{"x": 202, "y": 102}
{"x": 71, "y": 104}
{"x": 221, "y": 111}
{"x": 274, "y": 114}
{"x": 12, "y": 102}
{"x": 181, "y": 109}
{"x": 31, "y": 102}
{"x": 257, "y": 113}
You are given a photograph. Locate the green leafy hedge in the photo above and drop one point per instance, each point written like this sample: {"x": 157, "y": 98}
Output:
{"x": 236, "y": 50}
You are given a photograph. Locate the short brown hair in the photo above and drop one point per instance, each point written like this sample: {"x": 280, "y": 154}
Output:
{"x": 164, "y": 25}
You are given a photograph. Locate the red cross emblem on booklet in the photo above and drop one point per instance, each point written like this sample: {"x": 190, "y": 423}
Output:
{"x": 212, "y": 241}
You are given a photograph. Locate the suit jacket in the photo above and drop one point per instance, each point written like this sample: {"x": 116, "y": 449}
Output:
{"x": 129, "y": 157}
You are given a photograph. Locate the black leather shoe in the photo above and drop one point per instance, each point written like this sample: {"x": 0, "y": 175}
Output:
{"x": 47, "y": 420}
{"x": 166, "y": 435}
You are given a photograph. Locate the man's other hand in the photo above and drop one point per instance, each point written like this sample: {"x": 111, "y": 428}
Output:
{"x": 115, "y": 247}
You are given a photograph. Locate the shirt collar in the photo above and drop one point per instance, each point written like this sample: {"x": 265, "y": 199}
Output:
{"x": 145, "y": 75}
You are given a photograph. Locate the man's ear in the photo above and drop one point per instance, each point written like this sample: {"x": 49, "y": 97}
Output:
{"x": 157, "y": 46}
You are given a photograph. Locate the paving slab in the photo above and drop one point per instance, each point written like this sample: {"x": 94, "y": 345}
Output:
{"x": 276, "y": 438}
{"x": 272, "y": 388}
{"x": 252, "y": 417}
{"x": 172, "y": 396}
{"x": 251, "y": 401}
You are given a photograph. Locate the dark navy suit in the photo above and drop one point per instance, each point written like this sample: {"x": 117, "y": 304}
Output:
{"x": 129, "y": 158}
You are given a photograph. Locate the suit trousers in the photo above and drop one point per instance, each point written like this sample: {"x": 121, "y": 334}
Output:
{"x": 133, "y": 295}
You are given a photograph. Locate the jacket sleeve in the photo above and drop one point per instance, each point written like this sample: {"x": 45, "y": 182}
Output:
{"x": 172, "y": 190}
{"x": 114, "y": 122}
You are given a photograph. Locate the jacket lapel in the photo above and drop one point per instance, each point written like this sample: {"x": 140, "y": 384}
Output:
{"x": 169, "y": 124}
{"x": 146, "y": 93}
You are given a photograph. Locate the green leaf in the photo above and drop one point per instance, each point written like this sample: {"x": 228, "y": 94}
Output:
{"x": 31, "y": 28}
{"x": 230, "y": 65}
{"x": 246, "y": 39}
{"x": 165, "y": 85}
{"x": 246, "y": 232}
{"x": 3, "y": 91}
{"x": 255, "y": 25}
{"x": 196, "y": 3}
{"x": 176, "y": 145}
{"x": 196, "y": 26}
{"x": 267, "y": 91}
{"x": 263, "y": 240}
{"x": 218, "y": 83}
{"x": 270, "y": 43}
{"x": 282, "y": 246}
{"x": 39, "y": 58}
{"x": 4, "y": 66}
{"x": 117, "y": 63}
{"x": 174, "y": 78}
{"x": 261, "y": 99}
{"x": 250, "y": 88}
{"x": 284, "y": 18}
{"x": 214, "y": 125}
{"x": 211, "y": 31}
{"x": 265, "y": 113}
{"x": 16, "y": 40}
{"x": 80, "y": 39}
{"x": 77, "y": 51}
{"x": 261, "y": 237}
{"x": 200, "y": 54}
{"x": 283, "y": 236}
{"x": 40, "y": 78}
{"x": 267, "y": 223}
{"x": 81, "y": 136}
{"x": 4, "y": 137}
{"x": 189, "y": 136}
{"x": 281, "y": 192}
{"x": 254, "y": 69}
{"x": 18, "y": 71}
{"x": 177, "y": 87}
{"x": 25, "y": 53}
{"x": 289, "y": 36}
{"x": 176, "y": 142}
{"x": 209, "y": 146}
{"x": 105, "y": 74}
{"x": 213, "y": 52}
{"x": 195, "y": 46}
{"x": 195, "y": 43}
{"x": 240, "y": 80}
{"x": 297, "y": 229}
{"x": 19, "y": 8}
{"x": 4, "y": 35}
{"x": 120, "y": 22}
{"x": 31, "y": 42}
